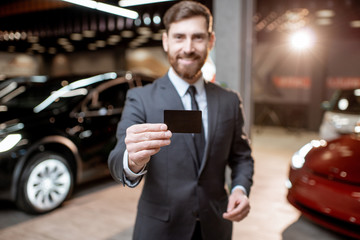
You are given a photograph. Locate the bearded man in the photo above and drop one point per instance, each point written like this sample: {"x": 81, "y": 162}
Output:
{"x": 184, "y": 194}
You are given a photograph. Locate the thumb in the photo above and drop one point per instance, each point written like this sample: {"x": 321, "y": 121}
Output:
{"x": 231, "y": 204}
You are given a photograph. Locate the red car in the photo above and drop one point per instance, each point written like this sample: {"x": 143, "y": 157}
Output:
{"x": 324, "y": 183}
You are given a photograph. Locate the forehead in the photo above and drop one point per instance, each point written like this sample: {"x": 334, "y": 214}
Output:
{"x": 190, "y": 25}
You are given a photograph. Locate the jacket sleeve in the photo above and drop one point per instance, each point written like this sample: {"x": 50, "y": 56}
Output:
{"x": 241, "y": 161}
{"x": 133, "y": 113}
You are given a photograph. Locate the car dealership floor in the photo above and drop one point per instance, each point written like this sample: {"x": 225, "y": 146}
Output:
{"x": 106, "y": 210}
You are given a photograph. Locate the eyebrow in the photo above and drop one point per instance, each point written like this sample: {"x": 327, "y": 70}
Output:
{"x": 193, "y": 34}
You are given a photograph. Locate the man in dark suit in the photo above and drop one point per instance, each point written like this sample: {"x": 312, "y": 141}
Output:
{"x": 184, "y": 194}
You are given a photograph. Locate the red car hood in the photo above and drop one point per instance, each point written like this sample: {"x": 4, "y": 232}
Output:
{"x": 338, "y": 159}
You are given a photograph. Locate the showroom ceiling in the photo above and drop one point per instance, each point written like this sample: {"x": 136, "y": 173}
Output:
{"x": 54, "y": 26}
{"x": 335, "y": 19}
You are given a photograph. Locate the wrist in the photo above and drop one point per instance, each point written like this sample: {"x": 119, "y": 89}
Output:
{"x": 134, "y": 167}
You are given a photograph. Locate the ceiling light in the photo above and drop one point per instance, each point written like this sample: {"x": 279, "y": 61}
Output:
{"x": 157, "y": 19}
{"x": 100, "y": 43}
{"x": 69, "y": 48}
{"x": 128, "y": 3}
{"x": 355, "y": 24}
{"x": 76, "y": 36}
{"x": 146, "y": 19}
{"x": 23, "y": 35}
{"x": 141, "y": 40}
{"x": 89, "y": 33}
{"x": 17, "y": 35}
{"x": 63, "y": 41}
{"x": 105, "y": 8}
{"x": 302, "y": 39}
{"x": 137, "y": 22}
{"x": 144, "y": 31}
{"x": 33, "y": 39}
{"x": 157, "y": 36}
{"x": 127, "y": 34}
{"x": 114, "y": 39}
{"x": 325, "y": 13}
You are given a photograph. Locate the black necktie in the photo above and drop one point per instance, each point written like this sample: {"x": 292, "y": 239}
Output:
{"x": 199, "y": 138}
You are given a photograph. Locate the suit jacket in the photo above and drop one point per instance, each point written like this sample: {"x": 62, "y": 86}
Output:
{"x": 176, "y": 192}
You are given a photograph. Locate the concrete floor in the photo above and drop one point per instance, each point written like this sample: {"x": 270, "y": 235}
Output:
{"x": 106, "y": 211}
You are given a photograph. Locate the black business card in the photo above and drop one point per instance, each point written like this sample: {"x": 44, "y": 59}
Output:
{"x": 183, "y": 121}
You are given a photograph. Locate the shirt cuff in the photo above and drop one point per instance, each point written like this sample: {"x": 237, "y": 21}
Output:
{"x": 239, "y": 187}
{"x": 131, "y": 178}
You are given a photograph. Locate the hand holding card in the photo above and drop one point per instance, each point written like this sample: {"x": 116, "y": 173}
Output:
{"x": 183, "y": 121}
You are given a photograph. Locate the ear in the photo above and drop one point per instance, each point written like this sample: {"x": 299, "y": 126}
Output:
{"x": 212, "y": 40}
{"x": 165, "y": 41}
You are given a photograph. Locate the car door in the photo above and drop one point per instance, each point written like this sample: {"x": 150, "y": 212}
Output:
{"x": 98, "y": 116}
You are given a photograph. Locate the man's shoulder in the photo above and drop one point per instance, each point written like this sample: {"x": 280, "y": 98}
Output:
{"x": 223, "y": 90}
{"x": 157, "y": 83}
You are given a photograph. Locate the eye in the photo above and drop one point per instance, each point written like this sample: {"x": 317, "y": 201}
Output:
{"x": 178, "y": 36}
{"x": 199, "y": 37}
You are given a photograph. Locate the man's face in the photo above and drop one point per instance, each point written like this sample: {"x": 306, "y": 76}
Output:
{"x": 187, "y": 44}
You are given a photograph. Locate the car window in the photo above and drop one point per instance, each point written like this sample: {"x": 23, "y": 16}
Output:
{"x": 106, "y": 99}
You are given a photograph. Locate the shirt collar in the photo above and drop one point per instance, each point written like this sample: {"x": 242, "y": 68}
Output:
{"x": 182, "y": 86}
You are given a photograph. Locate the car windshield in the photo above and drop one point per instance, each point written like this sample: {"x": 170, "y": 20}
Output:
{"x": 27, "y": 93}
{"x": 348, "y": 101}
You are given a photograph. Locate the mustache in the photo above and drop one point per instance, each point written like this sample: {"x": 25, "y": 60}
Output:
{"x": 189, "y": 55}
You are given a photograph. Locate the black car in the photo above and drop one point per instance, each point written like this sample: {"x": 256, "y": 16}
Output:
{"x": 56, "y": 133}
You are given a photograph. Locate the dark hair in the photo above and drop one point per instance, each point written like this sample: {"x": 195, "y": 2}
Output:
{"x": 187, "y": 9}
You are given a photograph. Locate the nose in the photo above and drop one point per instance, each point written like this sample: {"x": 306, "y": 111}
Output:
{"x": 188, "y": 46}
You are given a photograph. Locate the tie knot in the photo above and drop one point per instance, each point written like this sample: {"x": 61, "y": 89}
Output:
{"x": 192, "y": 90}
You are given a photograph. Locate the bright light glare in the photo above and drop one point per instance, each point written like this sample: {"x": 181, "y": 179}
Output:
{"x": 9, "y": 142}
{"x": 302, "y": 40}
{"x": 128, "y": 3}
{"x": 106, "y": 8}
{"x": 298, "y": 159}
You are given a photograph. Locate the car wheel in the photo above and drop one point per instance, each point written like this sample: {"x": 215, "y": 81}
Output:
{"x": 45, "y": 183}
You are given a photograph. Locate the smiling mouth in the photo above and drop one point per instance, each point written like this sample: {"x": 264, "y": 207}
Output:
{"x": 187, "y": 60}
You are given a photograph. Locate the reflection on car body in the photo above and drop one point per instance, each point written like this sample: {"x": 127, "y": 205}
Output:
{"x": 56, "y": 133}
{"x": 324, "y": 183}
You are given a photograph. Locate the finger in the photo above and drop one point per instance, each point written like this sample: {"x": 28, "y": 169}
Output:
{"x": 231, "y": 204}
{"x": 236, "y": 215}
{"x": 149, "y": 136}
{"x": 147, "y": 127}
{"x": 239, "y": 212}
{"x": 146, "y": 145}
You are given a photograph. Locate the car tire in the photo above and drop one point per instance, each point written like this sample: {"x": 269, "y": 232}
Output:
{"x": 46, "y": 182}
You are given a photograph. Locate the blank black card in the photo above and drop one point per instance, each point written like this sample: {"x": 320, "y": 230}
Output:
{"x": 183, "y": 121}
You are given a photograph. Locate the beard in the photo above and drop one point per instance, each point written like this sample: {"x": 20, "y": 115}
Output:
{"x": 188, "y": 72}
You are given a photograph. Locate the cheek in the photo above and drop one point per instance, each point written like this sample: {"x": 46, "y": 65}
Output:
{"x": 173, "y": 50}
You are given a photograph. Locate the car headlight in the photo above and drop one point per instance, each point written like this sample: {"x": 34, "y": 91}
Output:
{"x": 9, "y": 142}
{"x": 298, "y": 159}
